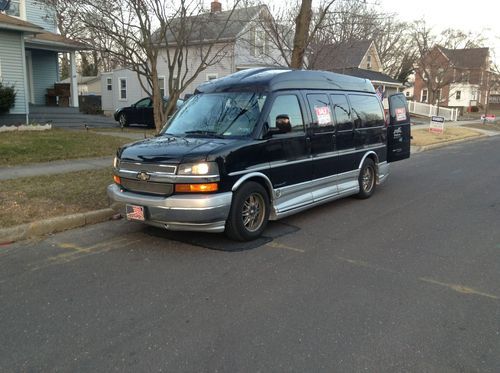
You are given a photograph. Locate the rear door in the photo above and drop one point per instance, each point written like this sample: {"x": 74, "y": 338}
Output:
{"x": 399, "y": 130}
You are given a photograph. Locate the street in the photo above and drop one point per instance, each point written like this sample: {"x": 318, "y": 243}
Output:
{"x": 408, "y": 280}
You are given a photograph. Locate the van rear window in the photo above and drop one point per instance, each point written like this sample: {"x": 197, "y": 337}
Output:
{"x": 366, "y": 111}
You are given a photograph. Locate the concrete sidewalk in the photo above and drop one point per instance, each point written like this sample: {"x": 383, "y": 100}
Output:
{"x": 55, "y": 167}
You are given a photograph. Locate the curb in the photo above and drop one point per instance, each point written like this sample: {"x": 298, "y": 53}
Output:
{"x": 53, "y": 225}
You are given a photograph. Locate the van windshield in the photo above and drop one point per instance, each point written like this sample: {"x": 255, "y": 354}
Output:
{"x": 217, "y": 115}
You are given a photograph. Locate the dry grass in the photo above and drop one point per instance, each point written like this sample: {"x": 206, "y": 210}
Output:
{"x": 24, "y": 147}
{"x": 489, "y": 126}
{"x": 28, "y": 199}
{"x": 423, "y": 137}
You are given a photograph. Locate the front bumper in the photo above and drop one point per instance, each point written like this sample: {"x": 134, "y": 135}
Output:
{"x": 197, "y": 212}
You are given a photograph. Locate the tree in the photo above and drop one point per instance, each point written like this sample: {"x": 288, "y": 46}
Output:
{"x": 143, "y": 33}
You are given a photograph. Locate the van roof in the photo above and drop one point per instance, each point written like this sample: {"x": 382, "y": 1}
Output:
{"x": 274, "y": 79}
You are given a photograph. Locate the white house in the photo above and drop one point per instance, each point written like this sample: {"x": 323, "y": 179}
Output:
{"x": 242, "y": 45}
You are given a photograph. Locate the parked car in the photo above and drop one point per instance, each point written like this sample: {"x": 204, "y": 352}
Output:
{"x": 140, "y": 113}
{"x": 259, "y": 145}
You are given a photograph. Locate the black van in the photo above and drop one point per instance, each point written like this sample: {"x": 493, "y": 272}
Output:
{"x": 261, "y": 144}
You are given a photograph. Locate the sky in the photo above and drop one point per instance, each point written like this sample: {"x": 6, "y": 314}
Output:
{"x": 478, "y": 16}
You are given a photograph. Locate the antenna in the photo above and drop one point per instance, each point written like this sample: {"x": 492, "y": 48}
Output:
{"x": 4, "y": 5}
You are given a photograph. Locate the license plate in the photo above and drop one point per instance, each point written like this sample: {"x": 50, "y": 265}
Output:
{"x": 135, "y": 212}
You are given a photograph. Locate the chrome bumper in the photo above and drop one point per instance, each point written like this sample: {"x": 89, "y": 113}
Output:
{"x": 206, "y": 213}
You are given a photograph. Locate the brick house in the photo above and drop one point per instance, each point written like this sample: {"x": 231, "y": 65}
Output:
{"x": 457, "y": 78}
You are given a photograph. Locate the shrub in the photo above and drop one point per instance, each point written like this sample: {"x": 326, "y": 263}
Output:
{"x": 7, "y": 98}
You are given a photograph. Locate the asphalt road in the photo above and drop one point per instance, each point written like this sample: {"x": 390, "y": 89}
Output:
{"x": 408, "y": 280}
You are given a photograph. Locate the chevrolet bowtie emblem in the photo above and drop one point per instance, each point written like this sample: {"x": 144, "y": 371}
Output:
{"x": 144, "y": 176}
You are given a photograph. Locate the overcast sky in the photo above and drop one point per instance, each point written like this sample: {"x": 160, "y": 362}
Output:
{"x": 474, "y": 16}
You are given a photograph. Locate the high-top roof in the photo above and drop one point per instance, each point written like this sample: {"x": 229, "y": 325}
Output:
{"x": 274, "y": 79}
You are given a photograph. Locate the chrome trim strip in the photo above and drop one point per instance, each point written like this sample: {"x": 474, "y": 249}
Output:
{"x": 256, "y": 168}
{"x": 251, "y": 175}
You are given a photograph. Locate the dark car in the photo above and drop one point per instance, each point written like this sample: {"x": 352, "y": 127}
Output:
{"x": 260, "y": 145}
{"x": 140, "y": 113}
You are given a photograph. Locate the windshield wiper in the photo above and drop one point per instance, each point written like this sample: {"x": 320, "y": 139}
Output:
{"x": 205, "y": 133}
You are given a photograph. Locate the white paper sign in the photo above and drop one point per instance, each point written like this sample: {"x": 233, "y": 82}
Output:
{"x": 324, "y": 115}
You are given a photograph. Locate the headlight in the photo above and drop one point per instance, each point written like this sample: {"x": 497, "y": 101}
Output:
{"x": 203, "y": 168}
{"x": 116, "y": 162}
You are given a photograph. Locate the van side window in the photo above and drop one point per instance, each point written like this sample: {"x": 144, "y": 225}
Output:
{"x": 366, "y": 111}
{"x": 286, "y": 106}
{"x": 341, "y": 111}
{"x": 321, "y": 112}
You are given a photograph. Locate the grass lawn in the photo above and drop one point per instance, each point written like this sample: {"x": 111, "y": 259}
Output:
{"x": 422, "y": 137}
{"x": 149, "y": 132}
{"x": 22, "y": 147}
{"x": 33, "y": 198}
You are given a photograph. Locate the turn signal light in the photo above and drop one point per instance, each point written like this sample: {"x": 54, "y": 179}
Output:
{"x": 196, "y": 188}
{"x": 117, "y": 179}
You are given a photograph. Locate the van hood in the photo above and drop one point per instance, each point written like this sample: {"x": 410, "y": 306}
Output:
{"x": 170, "y": 149}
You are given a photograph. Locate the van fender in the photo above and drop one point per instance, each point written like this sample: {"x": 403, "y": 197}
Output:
{"x": 365, "y": 156}
{"x": 251, "y": 175}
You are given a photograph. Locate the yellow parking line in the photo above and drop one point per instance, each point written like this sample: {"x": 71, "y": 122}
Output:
{"x": 276, "y": 245}
{"x": 458, "y": 288}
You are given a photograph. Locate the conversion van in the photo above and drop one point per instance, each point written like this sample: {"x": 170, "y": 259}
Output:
{"x": 259, "y": 145}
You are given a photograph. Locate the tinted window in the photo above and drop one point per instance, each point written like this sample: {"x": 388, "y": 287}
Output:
{"x": 146, "y": 102}
{"x": 366, "y": 111}
{"x": 287, "y": 105}
{"x": 321, "y": 112}
{"x": 341, "y": 112}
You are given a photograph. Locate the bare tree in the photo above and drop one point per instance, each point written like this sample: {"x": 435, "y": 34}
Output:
{"x": 143, "y": 33}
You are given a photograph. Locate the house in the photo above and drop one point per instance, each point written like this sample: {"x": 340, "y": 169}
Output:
{"x": 240, "y": 43}
{"x": 457, "y": 78}
{"x": 87, "y": 85}
{"x": 357, "y": 58}
{"x": 29, "y": 52}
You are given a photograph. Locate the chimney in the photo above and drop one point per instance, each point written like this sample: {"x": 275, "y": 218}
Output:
{"x": 215, "y": 7}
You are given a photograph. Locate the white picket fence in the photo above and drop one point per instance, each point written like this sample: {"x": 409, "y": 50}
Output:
{"x": 427, "y": 110}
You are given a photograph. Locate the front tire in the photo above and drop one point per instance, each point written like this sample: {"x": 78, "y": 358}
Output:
{"x": 249, "y": 212}
{"x": 367, "y": 179}
{"x": 122, "y": 120}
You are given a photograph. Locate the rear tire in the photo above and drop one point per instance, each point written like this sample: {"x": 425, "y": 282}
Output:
{"x": 249, "y": 212}
{"x": 367, "y": 179}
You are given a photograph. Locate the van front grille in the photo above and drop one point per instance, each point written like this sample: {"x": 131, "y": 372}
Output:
{"x": 147, "y": 167}
{"x": 147, "y": 187}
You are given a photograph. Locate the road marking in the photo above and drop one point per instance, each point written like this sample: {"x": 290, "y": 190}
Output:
{"x": 276, "y": 245}
{"x": 459, "y": 288}
{"x": 78, "y": 252}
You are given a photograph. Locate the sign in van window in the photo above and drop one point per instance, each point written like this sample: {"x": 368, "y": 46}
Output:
{"x": 321, "y": 112}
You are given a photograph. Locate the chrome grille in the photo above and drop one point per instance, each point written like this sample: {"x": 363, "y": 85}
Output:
{"x": 147, "y": 187}
{"x": 148, "y": 167}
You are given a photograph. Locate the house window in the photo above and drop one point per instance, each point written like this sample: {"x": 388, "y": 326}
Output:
{"x": 212, "y": 77}
{"x": 123, "y": 88}
{"x": 368, "y": 62}
{"x": 424, "y": 95}
{"x": 474, "y": 95}
{"x": 260, "y": 42}
{"x": 14, "y": 9}
{"x": 109, "y": 84}
{"x": 407, "y": 93}
{"x": 458, "y": 95}
{"x": 161, "y": 84}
